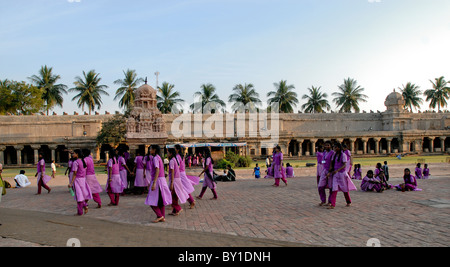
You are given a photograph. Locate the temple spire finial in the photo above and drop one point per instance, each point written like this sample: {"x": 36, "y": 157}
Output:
{"x": 145, "y": 80}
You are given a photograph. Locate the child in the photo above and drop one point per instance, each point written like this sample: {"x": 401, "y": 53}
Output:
{"x": 114, "y": 184}
{"x": 140, "y": 183}
{"x": 410, "y": 182}
{"x": 377, "y": 169}
{"x": 383, "y": 180}
{"x": 371, "y": 183}
{"x": 80, "y": 187}
{"x": 357, "y": 172}
{"x": 159, "y": 194}
{"x": 339, "y": 176}
{"x": 289, "y": 171}
{"x": 418, "y": 171}
{"x": 426, "y": 172}
{"x": 269, "y": 172}
{"x": 208, "y": 180}
{"x": 386, "y": 170}
{"x": 179, "y": 195}
{"x": 257, "y": 172}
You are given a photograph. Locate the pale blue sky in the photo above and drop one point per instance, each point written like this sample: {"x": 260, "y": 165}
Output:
{"x": 225, "y": 42}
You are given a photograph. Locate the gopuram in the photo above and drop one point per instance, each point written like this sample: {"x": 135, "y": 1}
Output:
{"x": 145, "y": 125}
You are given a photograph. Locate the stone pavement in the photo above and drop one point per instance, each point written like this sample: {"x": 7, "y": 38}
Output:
{"x": 254, "y": 209}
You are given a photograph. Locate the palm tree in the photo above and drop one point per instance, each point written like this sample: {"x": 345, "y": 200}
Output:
{"x": 438, "y": 96}
{"x": 284, "y": 97}
{"x": 316, "y": 101}
{"x": 128, "y": 86}
{"x": 89, "y": 90}
{"x": 411, "y": 94}
{"x": 349, "y": 96}
{"x": 244, "y": 95}
{"x": 52, "y": 93}
{"x": 208, "y": 99}
{"x": 167, "y": 98}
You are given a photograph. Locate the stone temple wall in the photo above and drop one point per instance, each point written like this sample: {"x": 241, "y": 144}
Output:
{"x": 22, "y": 137}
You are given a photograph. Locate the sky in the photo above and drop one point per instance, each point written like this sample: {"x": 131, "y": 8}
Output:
{"x": 383, "y": 44}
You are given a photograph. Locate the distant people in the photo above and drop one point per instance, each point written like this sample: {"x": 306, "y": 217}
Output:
{"x": 319, "y": 156}
{"x": 208, "y": 180}
{"x": 53, "y": 167}
{"x": 21, "y": 180}
{"x": 426, "y": 172}
{"x": 378, "y": 169}
{"x": 289, "y": 171}
{"x": 278, "y": 166}
{"x": 140, "y": 181}
{"x": 371, "y": 183}
{"x": 386, "y": 170}
{"x": 257, "y": 172}
{"x": 42, "y": 178}
{"x": 69, "y": 170}
{"x": 418, "y": 171}
{"x": 383, "y": 180}
{"x": 267, "y": 161}
{"x": 231, "y": 174}
{"x": 410, "y": 182}
{"x": 269, "y": 172}
{"x": 357, "y": 173}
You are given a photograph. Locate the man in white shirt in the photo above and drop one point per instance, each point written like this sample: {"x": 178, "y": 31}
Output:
{"x": 21, "y": 180}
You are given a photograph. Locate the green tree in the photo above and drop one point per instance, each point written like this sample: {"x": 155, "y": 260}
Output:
{"x": 317, "y": 102}
{"x": 208, "y": 99}
{"x": 283, "y": 96}
{"x": 113, "y": 131}
{"x": 167, "y": 98}
{"x": 244, "y": 95}
{"x": 89, "y": 90}
{"x": 6, "y": 98}
{"x": 438, "y": 95}
{"x": 20, "y": 97}
{"x": 349, "y": 96}
{"x": 52, "y": 93}
{"x": 412, "y": 96}
{"x": 127, "y": 88}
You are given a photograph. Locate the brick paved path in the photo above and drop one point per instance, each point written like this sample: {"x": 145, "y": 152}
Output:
{"x": 253, "y": 208}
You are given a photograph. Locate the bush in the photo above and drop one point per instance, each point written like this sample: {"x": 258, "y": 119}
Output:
{"x": 237, "y": 161}
{"x": 222, "y": 164}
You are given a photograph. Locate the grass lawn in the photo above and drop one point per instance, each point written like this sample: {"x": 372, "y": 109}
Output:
{"x": 371, "y": 161}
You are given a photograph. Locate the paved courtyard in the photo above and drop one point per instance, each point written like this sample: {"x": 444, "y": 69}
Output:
{"x": 250, "y": 208}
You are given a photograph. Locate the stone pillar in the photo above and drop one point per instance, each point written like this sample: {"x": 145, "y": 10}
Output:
{"x": 389, "y": 141}
{"x": 313, "y": 147}
{"x": 442, "y": 139}
{"x": 2, "y": 155}
{"x": 352, "y": 146}
{"x": 19, "y": 149}
{"x": 53, "y": 151}
{"x": 377, "y": 145}
{"x": 431, "y": 144}
{"x": 364, "y": 145}
{"x": 300, "y": 149}
{"x": 36, "y": 152}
